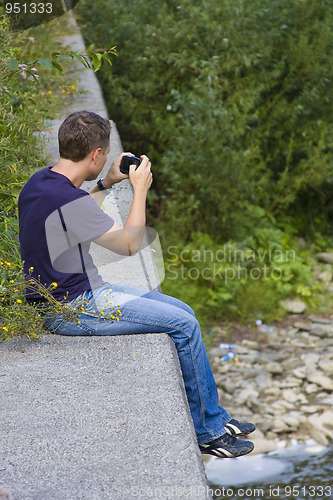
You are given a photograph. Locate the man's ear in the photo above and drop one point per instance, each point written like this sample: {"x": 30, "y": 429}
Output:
{"x": 95, "y": 154}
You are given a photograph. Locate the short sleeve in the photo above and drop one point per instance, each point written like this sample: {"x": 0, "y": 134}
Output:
{"x": 78, "y": 222}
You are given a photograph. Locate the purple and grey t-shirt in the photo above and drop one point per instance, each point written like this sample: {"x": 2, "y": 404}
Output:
{"x": 58, "y": 222}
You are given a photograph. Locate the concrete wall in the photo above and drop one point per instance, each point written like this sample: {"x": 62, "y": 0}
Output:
{"x": 97, "y": 417}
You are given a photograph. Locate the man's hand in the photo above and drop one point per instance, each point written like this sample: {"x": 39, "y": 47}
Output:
{"x": 127, "y": 241}
{"x": 114, "y": 175}
{"x": 141, "y": 177}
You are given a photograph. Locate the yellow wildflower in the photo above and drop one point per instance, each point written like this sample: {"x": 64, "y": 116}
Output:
{"x": 54, "y": 284}
{"x": 19, "y": 301}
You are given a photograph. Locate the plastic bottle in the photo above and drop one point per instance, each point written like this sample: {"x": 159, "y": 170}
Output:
{"x": 228, "y": 356}
{"x": 227, "y": 346}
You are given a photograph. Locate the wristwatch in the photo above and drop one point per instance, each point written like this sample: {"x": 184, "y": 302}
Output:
{"x": 101, "y": 186}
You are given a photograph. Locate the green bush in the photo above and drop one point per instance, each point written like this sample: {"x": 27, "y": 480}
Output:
{"x": 233, "y": 102}
{"x": 244, "y": 280}
{"x": 33, "y": 88}
{"x": 27, "y": 98}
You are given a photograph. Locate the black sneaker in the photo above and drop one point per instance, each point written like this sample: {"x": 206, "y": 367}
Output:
{"x": 227, "y": 447}
{"x": 235, "y": 428}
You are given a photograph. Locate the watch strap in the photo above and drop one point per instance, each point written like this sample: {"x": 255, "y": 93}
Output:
{"x": 100, "y": 185}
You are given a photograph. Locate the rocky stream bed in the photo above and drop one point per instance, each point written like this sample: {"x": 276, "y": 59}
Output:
{"x": 281, "y": 380}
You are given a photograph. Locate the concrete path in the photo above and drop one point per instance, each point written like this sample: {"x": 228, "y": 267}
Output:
{"x": 96, "y": 418}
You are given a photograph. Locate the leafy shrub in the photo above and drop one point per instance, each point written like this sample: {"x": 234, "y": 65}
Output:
{"x": 29, "y": 94}
{"x": 240, "y": 281}
{"x": 233, "y": 103}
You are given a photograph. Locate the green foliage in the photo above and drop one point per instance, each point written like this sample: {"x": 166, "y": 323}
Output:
{"x": 33, "y": 87}
{"x": 17, "y": 317}
{"x": 233, "y": 102}
{"x": 240, "y": 281}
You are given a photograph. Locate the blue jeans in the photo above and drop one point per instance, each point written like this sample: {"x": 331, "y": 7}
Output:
{"x": 144, "y": 311}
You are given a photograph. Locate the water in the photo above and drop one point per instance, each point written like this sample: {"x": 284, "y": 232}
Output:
{"x": 296, "y": 473}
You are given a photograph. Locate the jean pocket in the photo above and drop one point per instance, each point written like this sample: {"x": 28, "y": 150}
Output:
{"x": 53, "y": 324}
{"x": 62, "y": 327}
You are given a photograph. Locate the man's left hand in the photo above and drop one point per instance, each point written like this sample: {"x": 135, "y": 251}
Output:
{"x": 114, "y": 175}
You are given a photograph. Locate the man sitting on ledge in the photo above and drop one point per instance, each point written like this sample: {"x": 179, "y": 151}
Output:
{"x": 59, "y": 221}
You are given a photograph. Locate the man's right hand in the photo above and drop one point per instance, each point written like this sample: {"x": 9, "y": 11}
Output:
{"x": 141, "y": 177}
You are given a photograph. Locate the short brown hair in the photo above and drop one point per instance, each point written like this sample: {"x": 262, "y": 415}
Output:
{"x": 81, "y": 133}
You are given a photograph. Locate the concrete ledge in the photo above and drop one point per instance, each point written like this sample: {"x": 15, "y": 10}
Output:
{"x": 98, "y": 417}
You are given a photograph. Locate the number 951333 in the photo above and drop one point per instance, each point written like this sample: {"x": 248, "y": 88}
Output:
{"x": 33, "y": 8}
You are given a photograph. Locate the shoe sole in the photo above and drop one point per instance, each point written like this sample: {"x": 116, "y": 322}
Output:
{"x": 221, "y": 452}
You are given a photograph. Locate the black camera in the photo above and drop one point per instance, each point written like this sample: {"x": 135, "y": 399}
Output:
{"x": 126, "y": 161}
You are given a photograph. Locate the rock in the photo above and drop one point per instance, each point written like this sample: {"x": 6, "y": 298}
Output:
{"x": 257, "y": 434}
{"x": 311, "y": 388}
{"x": 250, "y": 357}
{"x": 246, "y": 395}
{"x": 279, "y": 426}
{"x": 321, "y": 427}
{"x": 251, "y": 344}
{"x": 274, "y": 367}
{"x": 290, "y": 333}
{"x": 323, "y": 321}
{"x": 295, "y": 306}
{"x": 325, "y": 257}
{"x": 223, "y": 368}
{"x": 293, "y": 396}
{"x": 290, "y": 363}
{"x": 327, "y": 344}
{"x": 321, "y": 330}
{"x": 226, "y": 384}
{"x": 249, "y": 373}
{"x": 325, "y": 276}
{"x": 279, "y": 407}
{"x": 271, "y": 435}
{"x": 272, "y": 391}
{"x": 262, "y": 445}
{"x": 311, "y": 360}
{"x": 291, "y": 420}
{"x": 301, "y": 325}
{"x": 300, "y": 373}
{"x": 327, "y": 400}
{"x": 277, "y": 357}
{"x": 310, "y": 409}
{"x": 290, "y": 395}
{"x": 291, "y": 382}
{"x": 321, "y": 380}
{"x": 326, "y": 365}
{"x": 215, "y": 352}
{"x": 263, "y": 380}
